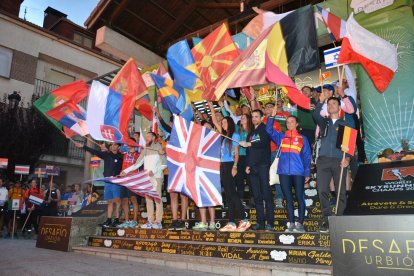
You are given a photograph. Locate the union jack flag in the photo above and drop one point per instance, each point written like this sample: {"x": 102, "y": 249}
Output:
{"x": 193, "y": 155}
{"x": 138, "y": 183}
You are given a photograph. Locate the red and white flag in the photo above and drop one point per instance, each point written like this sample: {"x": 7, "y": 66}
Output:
{"x": 3, "y": 163}
{"x": 377, "y": 56}
{"x": 335, "y": 25}
{"x": 22, "y": 169}
{"x": 138, "y": 183}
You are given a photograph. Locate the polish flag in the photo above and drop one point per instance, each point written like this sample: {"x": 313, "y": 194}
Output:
{"x": 377, "y": 56}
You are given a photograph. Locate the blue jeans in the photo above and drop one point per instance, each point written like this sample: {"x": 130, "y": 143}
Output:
{"x": 287, "y": 182}
{"x": 259, "y": 182}
{"x": 278, "y": 189}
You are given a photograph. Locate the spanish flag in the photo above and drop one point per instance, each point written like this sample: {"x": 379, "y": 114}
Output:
{"x": 292, "y": 50}
{"x": 346, "y": 139}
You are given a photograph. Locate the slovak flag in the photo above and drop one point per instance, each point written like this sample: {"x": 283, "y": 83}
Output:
{"x": 108, "y": 114}
{"x": 70, "y": 115}
{"x": 377, "y": 56}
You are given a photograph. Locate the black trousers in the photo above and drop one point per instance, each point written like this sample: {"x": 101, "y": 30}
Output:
{"x": 327, "y": 168}
{"x": 241, "y": 176}
{"x": 259, "y": 182}
{"x": 234, "y": 203}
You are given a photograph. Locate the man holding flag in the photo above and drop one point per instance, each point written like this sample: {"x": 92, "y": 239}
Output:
{"x": 112, "y": 167}
{"x": 330, "y": 161}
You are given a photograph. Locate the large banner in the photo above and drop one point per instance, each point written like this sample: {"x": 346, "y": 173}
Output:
{"x": 388, "y": 118}
{"x": 372, "y": 245}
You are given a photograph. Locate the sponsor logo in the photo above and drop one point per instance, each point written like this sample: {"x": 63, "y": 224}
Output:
{"x": 278, "y": 255}
{"x": 396, "y": 174}
{"x": 287, "y": 239}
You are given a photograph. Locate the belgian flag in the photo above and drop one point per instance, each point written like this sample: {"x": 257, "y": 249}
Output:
{"x": 346, "y": 139}
{"x": 292, "y": 49}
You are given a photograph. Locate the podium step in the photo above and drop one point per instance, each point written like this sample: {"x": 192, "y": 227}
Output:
{"x": 209, "y": 265}
{"x": 248, "y": 238}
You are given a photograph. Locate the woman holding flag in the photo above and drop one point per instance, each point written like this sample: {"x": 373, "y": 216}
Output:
{"x": 228, "y": 170}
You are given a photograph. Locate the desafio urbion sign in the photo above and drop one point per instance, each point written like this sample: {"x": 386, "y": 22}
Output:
{"x": 54, "y": 233}
{"x": 372, "y": 245}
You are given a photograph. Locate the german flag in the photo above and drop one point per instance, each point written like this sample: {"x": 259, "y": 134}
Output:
{"x": 346, "y": 139}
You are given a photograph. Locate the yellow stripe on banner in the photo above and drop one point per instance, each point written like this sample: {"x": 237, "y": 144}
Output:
{"x": 346, "y": 138}
{"x": 291, "y": 147}
{"x": 168, "y": 91}
{"x": 276, "y": 49}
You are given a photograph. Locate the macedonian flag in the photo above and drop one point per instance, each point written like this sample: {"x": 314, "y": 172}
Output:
{"x": 213, "y": 55}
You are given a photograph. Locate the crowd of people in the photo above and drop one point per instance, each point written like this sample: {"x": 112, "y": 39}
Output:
{"x": 252, "y": 140}
{"x": 36, "y": 200}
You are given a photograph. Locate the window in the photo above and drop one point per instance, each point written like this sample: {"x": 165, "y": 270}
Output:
{"x": 82, "y": 39}
{"x": 6, "y": 56}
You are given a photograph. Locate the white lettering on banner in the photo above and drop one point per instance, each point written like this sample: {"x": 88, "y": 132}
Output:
{"x": 369, "y": 6}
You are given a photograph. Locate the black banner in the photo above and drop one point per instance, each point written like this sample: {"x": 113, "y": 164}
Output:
{"x": 54, "y": 233}
{"x": 384, "y": 188}
{"x": 372, "y": 245}
{"x": 269, "y": 254}
{"x": 95, "y": 209}
{"x": 254, "y": 238}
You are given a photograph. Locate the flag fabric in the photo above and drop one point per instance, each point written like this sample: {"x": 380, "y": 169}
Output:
{"x": 324, "y": 76}
{"x": 346, "y": 139}
{"x": 154, "y": 125}
{"x": 52, "y": 170}
{"x": 108, "y": 113}
{"x": 262, "y": 21}
{"x": 128, "y": 81}
{"x": 213, "y": 56}
{"x": 36, "y": 199}
{"x": 138, "y": 182}
{"x": 168, "y": 92}
{"x": 241, "y": 40}
{"x": 40, "y": 172}
{"x": 376, "y": 55}
{"x": 230, "y": 92}
{"x": 95, "y": 162}
{"x": 4, "y": 163}
{"x": 71, "y": 116}
{"x": 335, "y": 25}
{"x": 75, "y": 91}
{"x": 162, "y": 71}
{"x": 142, "y": 141}
{"x": 193, "y": 161}
{"x": 292, "y": 49}
{"x": 247, "y": 69}
{"x": 144, "y": 107}
{"x": 22, "y": 169}
{"x": 184, "y": 69}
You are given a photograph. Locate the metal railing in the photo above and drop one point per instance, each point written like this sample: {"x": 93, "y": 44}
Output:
{"x": 42, "y": 87}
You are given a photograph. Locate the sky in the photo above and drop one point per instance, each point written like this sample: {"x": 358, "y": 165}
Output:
{"x": 77, "y": 10}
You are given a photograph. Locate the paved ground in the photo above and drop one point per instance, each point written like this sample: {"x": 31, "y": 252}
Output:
{"x": 21, "y": 257}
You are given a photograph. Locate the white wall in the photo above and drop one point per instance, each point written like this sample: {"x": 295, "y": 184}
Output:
{"x": 22, "y": 36}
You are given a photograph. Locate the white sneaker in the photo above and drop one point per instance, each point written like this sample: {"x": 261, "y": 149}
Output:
{"x": 157, "y": 225}
{"x": 290, "y": 227}
{"x": 147, "y": 225}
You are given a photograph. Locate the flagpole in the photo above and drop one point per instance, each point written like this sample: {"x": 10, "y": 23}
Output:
{"x": 227, "y": 137}
{"x": 21, "y": 177}
{"x": 30, "y": 212}
{"x": 338, "y": 193}
{"x": 14, "y": 223}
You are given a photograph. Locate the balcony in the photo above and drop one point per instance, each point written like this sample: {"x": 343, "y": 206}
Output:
{"x": 61, "y": 146}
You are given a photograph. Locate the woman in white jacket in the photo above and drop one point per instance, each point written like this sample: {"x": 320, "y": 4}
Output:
{"x": 151, "y": 157}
